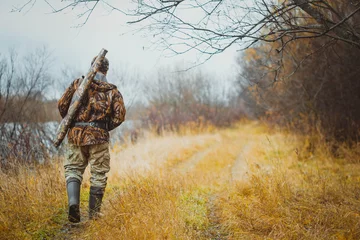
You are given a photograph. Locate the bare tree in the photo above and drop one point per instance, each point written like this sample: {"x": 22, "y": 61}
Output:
{"x": 192, "y": 99}
{"x": 323, "y": 36}
{"x": 23, "y": 82}
{"x": 128, "y": 81}
{"x": 212, "y": 26}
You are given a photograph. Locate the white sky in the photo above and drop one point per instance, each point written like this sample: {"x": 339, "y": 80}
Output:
{"x": 76, "y": 46}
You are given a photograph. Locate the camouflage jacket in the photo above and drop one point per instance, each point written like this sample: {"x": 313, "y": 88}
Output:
{"x": 103, "y": 103}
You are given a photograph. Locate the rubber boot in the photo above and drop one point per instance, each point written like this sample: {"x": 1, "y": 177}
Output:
{"x": 95, "y": 200}
{"x": 73, "y": 191}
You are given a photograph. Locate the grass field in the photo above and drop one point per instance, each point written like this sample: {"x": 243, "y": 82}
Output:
{"x": 245, "y": 182}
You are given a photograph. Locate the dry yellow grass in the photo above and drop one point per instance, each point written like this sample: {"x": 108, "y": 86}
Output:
{"x": 289, "y": 196}
{"x": 32, "y": 202}
{"x": 246, "y": 182}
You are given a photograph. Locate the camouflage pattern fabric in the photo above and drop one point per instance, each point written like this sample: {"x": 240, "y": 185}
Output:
{"x": 78, "y": 99}
{"x": 78, "y": 157}
{"x": 103, "y": 102}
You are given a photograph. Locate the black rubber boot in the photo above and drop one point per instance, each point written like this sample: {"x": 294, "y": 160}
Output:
{"x": 73, "y": 191}
{"x": 95, "y": 200}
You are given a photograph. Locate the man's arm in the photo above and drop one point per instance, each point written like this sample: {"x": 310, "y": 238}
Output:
{"x": 118, "y": 110}
{"x": 65, "y": 100}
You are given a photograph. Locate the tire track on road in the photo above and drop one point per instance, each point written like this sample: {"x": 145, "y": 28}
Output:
{"x": 188, "y": 165}
{"x": 240, "y": 168}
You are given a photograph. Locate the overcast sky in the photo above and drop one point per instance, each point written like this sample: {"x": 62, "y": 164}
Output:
{"x": 76, "y": 46}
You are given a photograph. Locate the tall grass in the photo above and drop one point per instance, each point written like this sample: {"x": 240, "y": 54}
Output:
{"x": 32, "y": 202}
{"x": 285, "y": 191}
{"x": 293, "y": 195}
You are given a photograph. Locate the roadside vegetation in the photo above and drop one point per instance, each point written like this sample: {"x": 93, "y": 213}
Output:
{"x": 244, "y": 182}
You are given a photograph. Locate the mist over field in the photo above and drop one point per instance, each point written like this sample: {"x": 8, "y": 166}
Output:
{"x": 242, "y": 118}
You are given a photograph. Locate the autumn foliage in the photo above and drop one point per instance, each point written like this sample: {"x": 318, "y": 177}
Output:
{"x": 310, "y": 84}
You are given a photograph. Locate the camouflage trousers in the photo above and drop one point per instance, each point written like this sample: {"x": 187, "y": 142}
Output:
{"x": 78, "y": 157}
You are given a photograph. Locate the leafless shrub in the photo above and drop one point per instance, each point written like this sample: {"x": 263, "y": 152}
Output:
{"x": 188, "y": 98}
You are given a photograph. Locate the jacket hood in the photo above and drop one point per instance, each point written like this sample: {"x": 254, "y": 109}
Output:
{"x": 101, "y": 84}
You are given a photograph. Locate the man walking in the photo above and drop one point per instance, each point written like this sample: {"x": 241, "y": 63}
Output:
{"x": 88, "y": 139}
